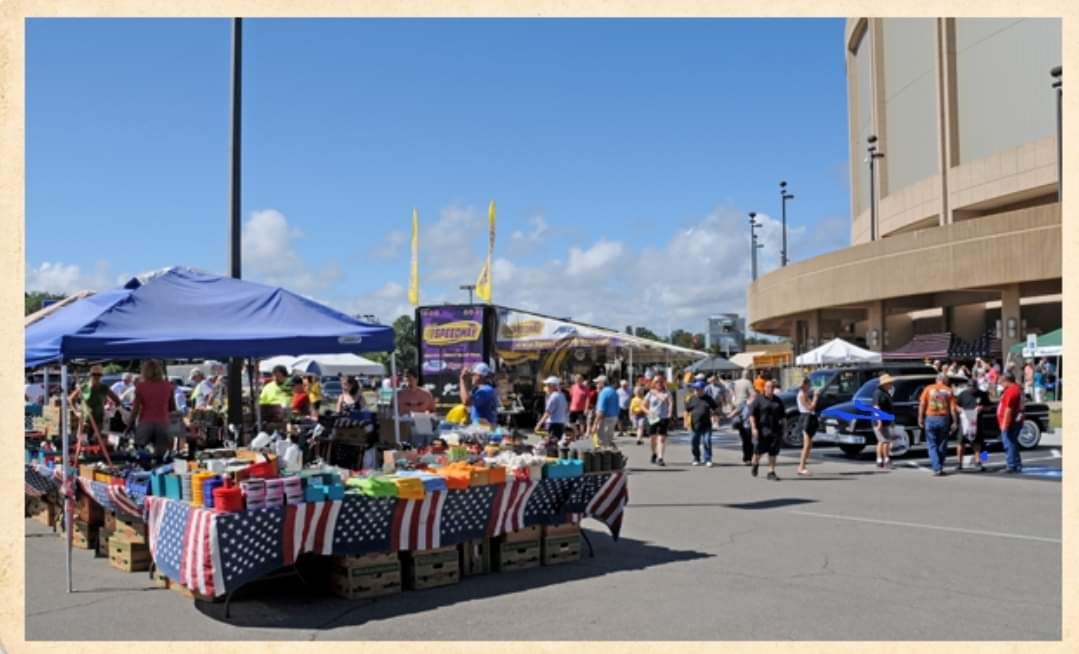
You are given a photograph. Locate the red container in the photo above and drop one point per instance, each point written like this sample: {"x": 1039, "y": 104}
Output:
{"x": 228, "y": 498}
{"x": 263, "y": 470}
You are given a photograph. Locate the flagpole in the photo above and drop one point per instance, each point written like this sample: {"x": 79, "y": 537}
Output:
{"x": 65, "y": 447}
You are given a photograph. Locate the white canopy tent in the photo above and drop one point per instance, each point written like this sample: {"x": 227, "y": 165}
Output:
{"x": 335, "y": 364}
{"x": 267, "y": 365}
{"x": 837, "y": 351}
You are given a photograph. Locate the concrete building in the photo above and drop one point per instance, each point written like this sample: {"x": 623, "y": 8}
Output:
{"x": 967, "y": 236}
{"x": 726, "y": 331}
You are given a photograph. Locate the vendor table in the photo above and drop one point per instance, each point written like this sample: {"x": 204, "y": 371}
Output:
{"x": 215, "y": 553}
{"x": 42, "y": 480}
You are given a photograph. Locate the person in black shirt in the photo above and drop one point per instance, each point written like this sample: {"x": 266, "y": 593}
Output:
{"x": 882, "y": 401}
{"x": 701, "y": 407}
{"x": 972, "y": 401}
{"x": 766, "y": 417}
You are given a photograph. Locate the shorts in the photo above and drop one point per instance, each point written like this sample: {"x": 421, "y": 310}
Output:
{"x": 640, "y": 422}
{"x": 556, "y": 430}
{"x": 576, "y": 416}
{"x": 154, "y": 433}
{"x": 623, "y": 416}
{"x": 968, "y": 424}
{"x": 606, "y": 431}
{"x": 809, "y": 424}
{"x": 767, "y": 445}
{"x": 883, "y": 432}
{"x": 660, "y": 428}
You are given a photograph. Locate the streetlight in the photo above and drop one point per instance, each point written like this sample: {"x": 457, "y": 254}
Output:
{"x": 873, "y": 156}
{"x": 1058, "y": 74}
{"x": 784, "y": 196}
{"x": 469, "y": 288}
{"x": 753, "y": 244}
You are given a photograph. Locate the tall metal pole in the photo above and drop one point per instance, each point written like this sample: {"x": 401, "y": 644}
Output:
{"x": 873, "y": 156}
{"x": 1058, "y": 74}
{"x": 65, "y": 448}
{"x": 753, "y": 242}
{"x": 469, "y": 288}
{"x": 235, "y": 386}
{"x": 784, "y": 196}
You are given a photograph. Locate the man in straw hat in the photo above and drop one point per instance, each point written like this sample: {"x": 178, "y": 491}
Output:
{"x": 882, "y": 401}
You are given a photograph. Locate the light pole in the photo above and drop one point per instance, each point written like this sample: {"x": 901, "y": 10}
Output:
{"x": 784, "y": 196}
{"x": 469, "y": 288}
{"x": 753, "y": 244}
{"x": 872, "y": 158}
{"x": 235, "y": 385}
{"x": 1058, "y": 75}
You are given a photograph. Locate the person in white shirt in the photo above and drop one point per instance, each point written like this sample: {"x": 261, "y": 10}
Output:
{"x": 125, "y": 387}
{"x": 807, "y": 421}
{"x": 624, "y": 397}
{"x": 555, "y": 414}
{"x": 203, "y": 390}
{"x": 35, "y": 393}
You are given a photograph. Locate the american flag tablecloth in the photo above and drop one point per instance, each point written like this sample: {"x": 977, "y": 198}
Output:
{"x": 215, "y": 553}
{"x": 41, "y": 480}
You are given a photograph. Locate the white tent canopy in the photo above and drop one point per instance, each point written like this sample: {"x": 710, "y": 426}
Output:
{"x": 837, "y": 351}
{"x": 325, "y": 364}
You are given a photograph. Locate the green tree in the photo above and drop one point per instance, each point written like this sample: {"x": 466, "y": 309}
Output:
{"x": 404, "y": 337}
{"x": 682, "y": 338}
{"x": 644, "y": 332}
{"x": 34, "y": 300}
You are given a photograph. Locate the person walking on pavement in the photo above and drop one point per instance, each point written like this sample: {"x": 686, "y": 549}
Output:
{"x": 659, "y": 405}
{"x": 718, "y": 392}
{"x": 938, "y": 416}
{"x": 624, "y": 397}
{"x": 701, "y": 409}
{"x": 639, "y": 413}
{"x": 606, "y": 413}
{"x": 1010, "y": 420}
{"x": 554, "y": 413}
{"x": 766, "y": 417}
{"x": 972, "y": 400}
{"x": 578, "y": 404}
{"x": 882, "y": 402}
{"x": 807, "y": 422}
{"x": 742, "y": 398}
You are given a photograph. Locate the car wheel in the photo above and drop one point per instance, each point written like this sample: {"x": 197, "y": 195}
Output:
{"x": 792, "y": 435}
{"x": 852, "y": 451}
{"x": 1030, "y": 434}
{"x": 901, "y": 442}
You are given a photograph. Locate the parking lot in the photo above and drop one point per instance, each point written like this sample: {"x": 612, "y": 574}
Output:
{"x": 705, "y": 554}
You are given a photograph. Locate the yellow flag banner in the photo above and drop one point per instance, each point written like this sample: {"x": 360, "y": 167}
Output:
{"x": 414, "y": 276}
{"x": 483, "y": 282}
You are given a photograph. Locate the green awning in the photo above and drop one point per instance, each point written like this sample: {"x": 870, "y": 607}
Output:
{"x": 1050, "y": 344}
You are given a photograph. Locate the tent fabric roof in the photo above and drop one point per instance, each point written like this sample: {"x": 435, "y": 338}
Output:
{"x": 332, "y": 364}
{"x": 714, "y": 364}
{"x": 56, "y": 306}
{"x": 837, "y": 350}
{"x": 182, "y": 313}
{"x": 744, "y": 359}
{"x": 1054, "y": 338}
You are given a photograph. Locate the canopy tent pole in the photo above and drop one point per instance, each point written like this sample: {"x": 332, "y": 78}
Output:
{"x": 632, "y": 379}
{"x": 251, "y": 370}
{"x": 393, "y": 383}
{"x": 64, "y": 420}
{"x": 45, "y": 397}
{"x": 1056, "y": 381}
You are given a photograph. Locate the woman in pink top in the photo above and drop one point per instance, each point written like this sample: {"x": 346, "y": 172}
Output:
{"x": 578, "y": 404}
{"x": 154, "y": 401}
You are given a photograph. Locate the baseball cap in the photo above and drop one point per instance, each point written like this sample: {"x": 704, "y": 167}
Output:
{"x": 602, "y": 379}
{"x": 700, "y": 376}
{"x": 481, "y": 369}
{"x": 699, "y": 385}
{"x": 194, "y": 372}
{"x": 552, "y": 381}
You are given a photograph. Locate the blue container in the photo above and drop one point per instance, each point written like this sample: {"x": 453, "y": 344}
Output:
{"x": 315, "y": 493}
{"x": 157, "y": 485}
{"x": 208, "y": 487}
{"x": 335, "y": 492}
{"x": 564, "y": 469}
{"x": 138, "y": 483}
{"x": 172, "y": 487}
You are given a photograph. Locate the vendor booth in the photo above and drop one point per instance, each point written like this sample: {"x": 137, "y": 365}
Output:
{"x": 837, "y": 351}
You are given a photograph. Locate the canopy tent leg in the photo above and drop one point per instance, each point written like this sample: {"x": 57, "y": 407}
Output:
{"x": 396, "y": 416}
{"x": 632, "y": 379}
{"x": 65, "y": 447}
{"x": 251, "y": 370}
{"x": 45, "y": 397}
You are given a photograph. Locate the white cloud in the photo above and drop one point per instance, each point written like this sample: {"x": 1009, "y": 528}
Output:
{"x": 269, "y": 255}
{"x": 67, "y": 278}
{"x": 594, "y": 259}
{"x": 539, "y": 230}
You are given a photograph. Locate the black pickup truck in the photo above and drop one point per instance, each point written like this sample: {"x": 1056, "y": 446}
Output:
{"x": 853, "y": 436}
{"x": 837, "y": 385}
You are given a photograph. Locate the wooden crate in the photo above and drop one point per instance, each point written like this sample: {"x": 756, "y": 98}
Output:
{"x": 526, "y": 535}
{"x": 42, "y": 511}
{"x": 561, "y": 549}
{"x": 131, "y": 530}
{"x": 509, "y": 557}
{"x": 127, "y": 556}
{"x": 103, "y": 536}
{"x": 84, "y": 536}
{"x": 431, "y": 568}
{"x": 564, "y": 529}
{"x": 89, "y": 511}
{"x": 110, "y": 520}
{"x": 475, "y": 557}
{"x": 365, "y": 581}
{"x": 161, "y": 580}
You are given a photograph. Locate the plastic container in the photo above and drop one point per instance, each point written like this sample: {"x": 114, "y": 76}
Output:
{"x": 228, "y": 498}
{"x": 208, "y": 488}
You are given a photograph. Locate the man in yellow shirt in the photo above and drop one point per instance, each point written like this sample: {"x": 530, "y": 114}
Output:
{"x": 277, "y": 392}
{"x": 313, "y": 388}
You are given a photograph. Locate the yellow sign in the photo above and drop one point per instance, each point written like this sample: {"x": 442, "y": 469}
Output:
{"x": 461, "y": 331}
{"x": 521, "y": 329}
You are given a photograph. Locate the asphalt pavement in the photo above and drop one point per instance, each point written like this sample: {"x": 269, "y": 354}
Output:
{"x": 850, "y": 553}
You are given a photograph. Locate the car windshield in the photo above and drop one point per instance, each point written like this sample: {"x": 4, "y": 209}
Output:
{"x": 819, "y": 379}
{"x": 865, "y": 393}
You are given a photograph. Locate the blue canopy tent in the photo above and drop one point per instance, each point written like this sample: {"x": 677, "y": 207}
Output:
{"x": 181, "y": 313}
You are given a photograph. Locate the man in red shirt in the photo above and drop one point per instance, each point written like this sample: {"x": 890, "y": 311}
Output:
{"x": 1010, "y": 420}
{"x": 578, "y": 404}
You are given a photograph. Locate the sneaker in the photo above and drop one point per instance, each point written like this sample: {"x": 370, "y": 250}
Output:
{"x": 747, "y": 462}
{"x": 696, "y": 463}
{"x": 978, "y": 467}
{"x": 639, "y": 441}
{"x": 880, "y": 463}
{"x": 661, "y": 463}
{"x": 888, "y": 464}
{"x": 753, "y": 470}
{"x": 708, "y": 464}
{"x": 938, "y": 473}
{"x": 773, "y": 476}
{"x": 959, "y": 468}
{"x": 653, "y": 457}
{"x": 803, "y": 472}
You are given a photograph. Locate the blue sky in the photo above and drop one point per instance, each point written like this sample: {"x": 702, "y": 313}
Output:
{"x": 623, "y": 155}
